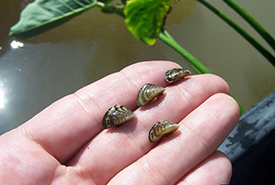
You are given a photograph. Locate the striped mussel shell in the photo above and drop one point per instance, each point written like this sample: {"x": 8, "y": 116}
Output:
{"x": 148, "y": 93}
{"x": 176, "y": 74}
{"x": 116, "y": 115}
{"x": 162, "y": 129}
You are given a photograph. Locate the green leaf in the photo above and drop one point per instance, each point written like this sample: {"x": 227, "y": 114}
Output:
{"x": 145, "y": 18}
{"x": 43, "y": 12}
{"x": 106, "y": 1}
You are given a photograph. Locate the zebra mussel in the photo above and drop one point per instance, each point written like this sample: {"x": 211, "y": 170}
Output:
{"x": 116, "y": 115}
{"x": 162, "y": 129}
{"x": 148, "y": 93}
{"x": 176, "y": 74}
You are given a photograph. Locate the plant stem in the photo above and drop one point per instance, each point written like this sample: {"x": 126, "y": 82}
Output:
{"x": 110, "y": 9}
{"x": 255, "y": 24}
{"x": 172, "y": 40}
{"x": 198, "y": 67}
{"x": 167, "y": 38}
{"x": 241, "y": 31}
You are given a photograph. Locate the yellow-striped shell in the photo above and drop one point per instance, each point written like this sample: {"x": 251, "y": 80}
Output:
{"x": 176, "y": 74}
{"x": 116, "y": 115}
{"x": 162, "y": 129}
{"x": 148, "y": 93}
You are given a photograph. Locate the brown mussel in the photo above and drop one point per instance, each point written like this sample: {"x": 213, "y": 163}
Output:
{"x": 162, "y": 129}
{"x": 176, "y": 74}
{"x": 148, "y": 93}
{"x": 116, "y": 115}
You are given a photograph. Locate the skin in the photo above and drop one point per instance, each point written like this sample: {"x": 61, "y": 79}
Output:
{"x": 66, "y": 144}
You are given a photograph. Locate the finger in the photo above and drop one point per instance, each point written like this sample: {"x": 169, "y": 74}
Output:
{"x": 130, "y": 141}
{"x": 200, "y": 133}
{"x": 216, "y": 169}
{"x": 65, "y": 126}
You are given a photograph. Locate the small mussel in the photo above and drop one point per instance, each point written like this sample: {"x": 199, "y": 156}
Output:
{"x": 162, "y": 129}
{"x": 148, "y": 93}
{"x": 116, "y": 115}
{"x": 176, "y": 74}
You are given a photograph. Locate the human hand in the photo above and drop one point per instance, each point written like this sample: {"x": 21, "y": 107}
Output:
{"x": 66, "y": 144}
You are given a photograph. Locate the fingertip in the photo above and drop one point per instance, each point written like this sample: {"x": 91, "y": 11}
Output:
{"x": 153, "y": 63}
{"x": 221, "y": 83}
{"x": 225, "y": 165}
{"x": 216, "y": 169}
{"x": 235, "y": 107}
{"x": 147, "y": 72}
{"x": 147, "y": 67}
{"x": 231, "y": 107}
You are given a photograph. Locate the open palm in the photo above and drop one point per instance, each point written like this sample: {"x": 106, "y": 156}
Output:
{"x": 66, "y": 144}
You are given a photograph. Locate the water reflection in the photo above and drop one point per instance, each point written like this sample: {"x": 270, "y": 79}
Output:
{"x": 16, "y": 44}
{"x": 2, "y": 99}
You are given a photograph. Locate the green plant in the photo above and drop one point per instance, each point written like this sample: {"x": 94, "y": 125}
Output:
{"x": 144, "y": 18}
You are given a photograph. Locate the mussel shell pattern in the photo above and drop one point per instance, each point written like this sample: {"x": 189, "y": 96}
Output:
{"x": 162, "y": 129}
{"x": 176, "y": 74}
{"x": 148, "y": 93}
{"x": 116, "y": 115}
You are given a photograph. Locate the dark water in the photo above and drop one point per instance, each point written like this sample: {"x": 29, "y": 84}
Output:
{"x": 92, "y": 45}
